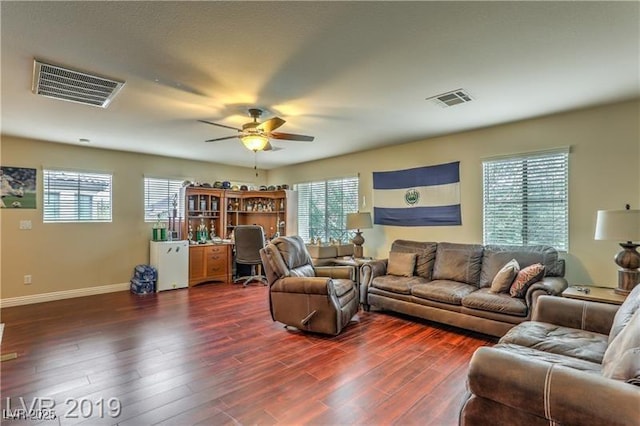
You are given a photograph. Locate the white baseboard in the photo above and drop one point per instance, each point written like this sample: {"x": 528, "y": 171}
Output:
{"x": 59, "y": 295}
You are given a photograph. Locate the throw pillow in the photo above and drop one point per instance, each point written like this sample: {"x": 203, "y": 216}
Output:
{"x": 625, "y": 312}
{"x": 505, "y": 276}
{"x": 401, "y": 264}
{"x": 621, "y": 360}
{"x": 525, "y": 278}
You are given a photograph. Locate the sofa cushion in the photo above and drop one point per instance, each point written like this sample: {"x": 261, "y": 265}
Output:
{"x": 505, "y": 276}
{"x": 629, "y": 307}
{"x": 622, "y": 359}
{"x": 401, "y": 264}
{"x": 426, "y": 255}
{"x": 397, "y": 284}
{"x": 628, "y": 367}
{"x": 495, "y": 256}
{"x": 556, "y": 339}
{"x": 344, "y": 249}
{"x": 524, "y": 279}
{"x": 322, "y": 252}
{"x": 485, "y": 300}
{"x": 458, "y": 262}
{"x": 445, "y": 291}
{"x": 554, "y": 358}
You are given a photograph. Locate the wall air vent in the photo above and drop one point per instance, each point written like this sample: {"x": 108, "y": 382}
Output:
{"x": 54, "y": 81}
{"x": 449, "y": 99}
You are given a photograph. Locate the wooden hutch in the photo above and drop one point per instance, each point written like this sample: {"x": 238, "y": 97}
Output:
{"x": 212, "y": 214}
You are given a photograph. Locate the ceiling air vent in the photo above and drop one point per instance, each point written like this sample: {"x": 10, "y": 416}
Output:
{"x": 449, "y": 99}
{"x": 54, "y": 81}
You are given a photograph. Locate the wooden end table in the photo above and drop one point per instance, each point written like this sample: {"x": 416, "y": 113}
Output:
{"x": 594, "y": 294}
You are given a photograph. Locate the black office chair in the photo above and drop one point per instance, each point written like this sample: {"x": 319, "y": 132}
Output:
{"x": 249, "y": 239}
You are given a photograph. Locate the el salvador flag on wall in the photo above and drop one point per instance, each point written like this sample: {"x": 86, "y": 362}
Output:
{"x": 423, "y": 196}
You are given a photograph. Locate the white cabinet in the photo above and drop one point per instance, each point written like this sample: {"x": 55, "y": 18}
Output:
{"x": 171, "y": 259}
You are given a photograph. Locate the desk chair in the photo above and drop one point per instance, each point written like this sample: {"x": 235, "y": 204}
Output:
{"x": 249, "y": 239}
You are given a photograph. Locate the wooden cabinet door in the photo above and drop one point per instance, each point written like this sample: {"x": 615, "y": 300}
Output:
{"x": 196, "y": 265}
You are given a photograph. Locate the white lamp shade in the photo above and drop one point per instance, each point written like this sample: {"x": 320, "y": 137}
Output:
{"x": 359, "y": 220}
{"x": 618, "y": 225}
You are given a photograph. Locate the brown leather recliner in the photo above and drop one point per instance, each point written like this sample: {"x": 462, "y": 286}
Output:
{"x": 317, "y": 299}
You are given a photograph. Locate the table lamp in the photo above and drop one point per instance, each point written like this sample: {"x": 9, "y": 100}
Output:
{"x": 358, "y": 221}
{"x": 622, "y": 225}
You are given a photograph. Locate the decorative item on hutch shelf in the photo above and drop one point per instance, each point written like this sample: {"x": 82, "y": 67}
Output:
{"x": 202, "y": 232}
{"x": 622, "y": 225}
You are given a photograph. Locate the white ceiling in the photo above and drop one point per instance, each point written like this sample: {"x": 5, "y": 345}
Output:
{"x": 353, "y": 74}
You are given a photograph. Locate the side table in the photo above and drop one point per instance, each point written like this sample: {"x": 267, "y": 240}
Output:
{"x": 594, "y": 294}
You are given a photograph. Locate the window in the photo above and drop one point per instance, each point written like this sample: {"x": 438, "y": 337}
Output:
{"x": 76, "y": 196}
{"x": 159, "y": 198}
{"x": 526, "y": 200}
{"x": 323, "y": 206}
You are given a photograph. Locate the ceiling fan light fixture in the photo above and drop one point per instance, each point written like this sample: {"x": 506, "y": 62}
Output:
{"x": 255, "y": 142}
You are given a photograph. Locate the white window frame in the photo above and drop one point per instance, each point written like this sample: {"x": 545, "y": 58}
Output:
{"x": 526, "y": 199}
{"x": 64, "y": 190}
{"x": 158, "y": 198}
{"x": 315, "y": 195}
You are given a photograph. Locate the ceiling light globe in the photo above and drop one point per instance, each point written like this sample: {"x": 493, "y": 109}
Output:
{"x": 255, "y": 142}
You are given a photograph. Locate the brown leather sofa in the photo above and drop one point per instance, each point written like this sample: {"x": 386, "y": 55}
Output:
{"x": 450, "y": 284}
{"x": 575, "y": 363}
{"x": 321, "y": 299}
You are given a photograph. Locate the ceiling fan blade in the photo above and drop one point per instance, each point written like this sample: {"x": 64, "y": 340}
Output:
{"x": 271, "y": 124}
{"x": 221, "y": 139}
{"x": 220, "y": 125}
{"x": 291, "y": 137}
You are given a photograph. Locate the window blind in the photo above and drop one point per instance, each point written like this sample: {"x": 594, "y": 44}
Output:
{"x": 160, "y": 194}
{"x": 323, "y": 206}
{"x": 76, "y": 196}
{"x": 525, "y": 200}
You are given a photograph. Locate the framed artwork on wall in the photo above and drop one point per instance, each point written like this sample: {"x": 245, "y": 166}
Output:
{"x": 18, "y": 185}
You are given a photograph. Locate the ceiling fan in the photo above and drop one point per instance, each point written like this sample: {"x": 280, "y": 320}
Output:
{"x": 255, "y": 135}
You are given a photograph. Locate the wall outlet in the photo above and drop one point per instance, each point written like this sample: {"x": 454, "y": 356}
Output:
{"x": 27, "y": 279}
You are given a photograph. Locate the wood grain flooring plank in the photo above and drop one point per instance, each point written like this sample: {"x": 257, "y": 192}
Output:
{"x": 211, "y": 355}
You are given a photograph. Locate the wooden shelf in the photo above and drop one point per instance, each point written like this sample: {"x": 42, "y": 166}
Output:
{"x": 231, "y": 209}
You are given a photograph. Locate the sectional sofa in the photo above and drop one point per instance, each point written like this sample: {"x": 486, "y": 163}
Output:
{"x": 575, "y": 363}
{"x": 452, "y": 283}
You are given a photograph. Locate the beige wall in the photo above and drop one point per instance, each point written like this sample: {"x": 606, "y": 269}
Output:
{"x": 69, "y": 256}
{"x": 603, "y": 174}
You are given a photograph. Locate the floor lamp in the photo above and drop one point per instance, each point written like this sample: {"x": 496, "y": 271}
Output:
{"x": 622, "y": 225}
{"x": 358, "y": 221}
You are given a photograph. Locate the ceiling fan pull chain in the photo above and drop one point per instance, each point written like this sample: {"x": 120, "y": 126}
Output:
{"x": 255, "y": 162}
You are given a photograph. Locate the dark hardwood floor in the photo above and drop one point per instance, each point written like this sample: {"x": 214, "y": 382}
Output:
{"x": 212, "y": 355}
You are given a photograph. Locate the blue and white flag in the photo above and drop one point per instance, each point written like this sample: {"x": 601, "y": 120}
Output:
{"x": 424, "y": 196}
